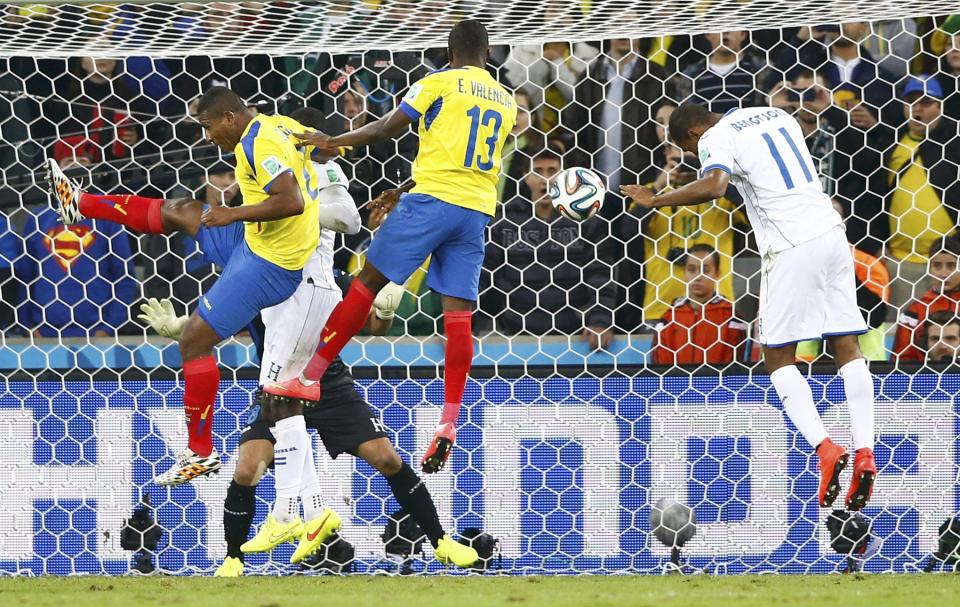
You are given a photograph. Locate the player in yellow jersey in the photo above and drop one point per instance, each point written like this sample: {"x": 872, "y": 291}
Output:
{"x": 464, "y": 117}
{"x": 262, "y": 246}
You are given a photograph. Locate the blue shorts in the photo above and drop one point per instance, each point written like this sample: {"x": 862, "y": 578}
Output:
{"x": 422, "y": 225}
{"x": 248, "y": 283}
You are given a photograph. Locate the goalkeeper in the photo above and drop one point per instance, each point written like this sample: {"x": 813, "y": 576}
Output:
{"x": 343, "y": 419}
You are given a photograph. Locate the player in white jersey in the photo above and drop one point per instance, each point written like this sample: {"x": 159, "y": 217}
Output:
{"x": 807, "y": 285}
{"x": 344, "y": 421}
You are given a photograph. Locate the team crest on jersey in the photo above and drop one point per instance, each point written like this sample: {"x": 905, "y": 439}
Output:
{"x": 332, "y": 176}
{"x": 413, "y": 92}
{"x": 704, "y": 154}
{"x": 272, "y": 166}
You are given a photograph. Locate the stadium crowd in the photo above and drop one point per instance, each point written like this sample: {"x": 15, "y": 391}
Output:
{"x": 878, "y": 103}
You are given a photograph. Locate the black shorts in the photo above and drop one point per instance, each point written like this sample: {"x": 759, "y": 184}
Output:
{"x": 342, "y": 418}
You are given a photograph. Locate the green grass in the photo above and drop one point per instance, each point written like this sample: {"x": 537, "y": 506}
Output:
{"x": 359, "y": 591}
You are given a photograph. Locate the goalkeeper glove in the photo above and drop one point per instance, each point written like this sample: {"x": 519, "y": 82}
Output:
{"x": 388, "y": 300}
{"x": 159, "y": 315}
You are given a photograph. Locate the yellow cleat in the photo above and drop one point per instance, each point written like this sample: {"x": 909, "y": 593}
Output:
{"x": 231, "y": 567}
{"x": 272, "y": 533}
{"x": 449, "y": 551}
{"x": 316, "y": 532}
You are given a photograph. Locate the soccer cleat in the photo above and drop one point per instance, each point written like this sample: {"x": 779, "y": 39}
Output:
{"x": 272, "y": 533}
{"x": 833, "y": 459}
{"x": 67, "y": 193}
{"x": 231, "y": 567}
{"x": 439, "y": 449}
{"x": 449, "y": 551}
{"x": 315, "y": 532}
{"x": 864, "y": 474}
{"x": 189, "y": 466}
{"x": 294, "y": 390}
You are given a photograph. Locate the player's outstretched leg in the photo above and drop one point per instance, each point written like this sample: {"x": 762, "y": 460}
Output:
{"x": 458, "y": 357}
{"x": 414, "y": 497}
{"x": 858, "y": 385}
{"x": 797, "y": 399}
{"x": 346, "y": 320}
{"x": 253, "y": 456}
{"x": 145, "y": 215}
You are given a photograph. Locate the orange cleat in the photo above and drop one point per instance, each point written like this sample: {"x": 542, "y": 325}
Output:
{"x": 294, "y": 390}
{"x": 439, "y": 449}
{"x": 833, "y": 459}
{"x": 864, "y": 474}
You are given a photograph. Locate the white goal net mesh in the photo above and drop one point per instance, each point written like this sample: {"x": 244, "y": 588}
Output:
{"x": 615, "y": 367}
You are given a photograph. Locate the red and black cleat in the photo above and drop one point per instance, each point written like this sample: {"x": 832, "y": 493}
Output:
{"x": 294, "y": 391}
{"x": 833, "y": 459}
{"x": 864, "y": 475}
{"x": 439, "y": 450}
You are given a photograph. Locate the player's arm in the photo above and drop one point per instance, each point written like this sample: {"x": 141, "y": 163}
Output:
{"x": 338, "y": 211}
{"x": 381, "y": 206}
{"x": 711, "y": 186}
{"x": 285, "y": 200}
{"x": 387, "y": 127}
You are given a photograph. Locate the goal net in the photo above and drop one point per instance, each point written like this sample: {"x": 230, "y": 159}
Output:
{"x": 617, "y": 417}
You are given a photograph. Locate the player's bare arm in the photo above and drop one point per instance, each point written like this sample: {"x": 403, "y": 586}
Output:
{"x": 385, "y": 128}
{"x": 285, "y": 201}
{"x": 711, "y": 186}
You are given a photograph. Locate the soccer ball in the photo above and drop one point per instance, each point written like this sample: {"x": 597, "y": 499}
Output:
{"x": 577, "y": 193}
{"x": 673, "y": 523}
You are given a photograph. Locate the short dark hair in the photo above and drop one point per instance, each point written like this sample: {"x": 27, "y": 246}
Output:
{"x": 947, "y": 244}
{"x": 710, "y": 253}
{"x": 552, "y": 151}
{"x": 309, "y": 116}
{"x": 468, "y": 39}
{"x": 685, "y": 117}
{"x": 942, "y": 318}
{"x": 220, "y": 99}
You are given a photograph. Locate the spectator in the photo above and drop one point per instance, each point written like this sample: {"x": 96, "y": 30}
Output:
{"x": 806, "y": 98}
{"x": 873, "y": 293}
{"x": 669, "y": 232}
{"x": 894, "y": 44}
{"x": 550, "y": 72}
{"x": 923, "y": 194}
{"x": 545, "y": 273}
{"x": 942, "y": 337}
{"x": 701, "y": 327}
{"x": 527, "y": 133}
{"x": 949, "y": 75}
{"x": 613, "y": 116}
{"x": 174, "y": 267}
{"x": 96, "y": 125}
{"x": 726, "y": 78}
{"x": 9, "y": 252}
{"x": 943, "y": 295}
{"x": 78, "y": 279}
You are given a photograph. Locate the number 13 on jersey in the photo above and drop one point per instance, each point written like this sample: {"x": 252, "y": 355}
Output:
{"x": 489, "y": 119}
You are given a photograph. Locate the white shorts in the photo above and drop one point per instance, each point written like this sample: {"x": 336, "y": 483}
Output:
{"x": 292, "y": 331}
{"x": 809, "y": 291}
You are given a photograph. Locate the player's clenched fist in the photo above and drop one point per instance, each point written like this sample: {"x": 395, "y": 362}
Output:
{"x": 641, "y": 195}
{"x": 217, "y": 216}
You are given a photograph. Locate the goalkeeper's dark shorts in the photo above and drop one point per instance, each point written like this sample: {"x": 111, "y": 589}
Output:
{"x": 342, "y": 418}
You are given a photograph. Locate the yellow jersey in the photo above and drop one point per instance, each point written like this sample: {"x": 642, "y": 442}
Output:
{"x": 680, "y": 228}
{"x": 266, "y": 151}
{"x": 917, "y": 217}
{"x": 464, "y": 118}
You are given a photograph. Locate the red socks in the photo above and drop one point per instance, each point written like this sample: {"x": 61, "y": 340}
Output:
{"x": 457, "y": 360}
{"x": 201, "y": 380}
{"x": 347, "y": 319}
{"x": 135, "y": 212}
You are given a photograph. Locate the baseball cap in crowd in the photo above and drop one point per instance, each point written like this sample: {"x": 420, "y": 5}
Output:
{"x": 925, "y": 84}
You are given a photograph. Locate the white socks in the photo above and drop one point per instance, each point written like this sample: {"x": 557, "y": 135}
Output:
{"x": 858, "y": 384}
{"x": 290, "y": 453}
{"x": 797, "y": 399}
{"x": 310, "y": 486}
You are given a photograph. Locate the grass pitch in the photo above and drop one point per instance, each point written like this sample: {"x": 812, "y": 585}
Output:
{"x": 359, "y": 591}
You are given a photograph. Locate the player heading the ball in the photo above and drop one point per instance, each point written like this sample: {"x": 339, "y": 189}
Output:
{"x": 807, "y": 284}
{"x": 464, "y": 117}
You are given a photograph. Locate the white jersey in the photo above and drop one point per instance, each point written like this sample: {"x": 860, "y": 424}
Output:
{"x": 319, "y": 267}
{"x": 763, "y": 150}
